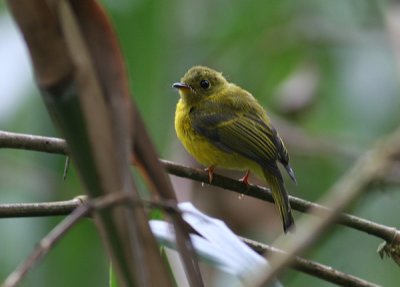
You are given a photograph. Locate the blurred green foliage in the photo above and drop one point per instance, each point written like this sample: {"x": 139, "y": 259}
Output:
{"x": 259, "y": 45}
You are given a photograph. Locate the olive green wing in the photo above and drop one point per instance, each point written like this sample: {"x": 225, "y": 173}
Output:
{"x": 244, "y": 133}
{"x": 249, "y": 134}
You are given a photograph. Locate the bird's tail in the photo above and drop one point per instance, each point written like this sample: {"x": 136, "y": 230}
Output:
{"x": 281, "y": 199}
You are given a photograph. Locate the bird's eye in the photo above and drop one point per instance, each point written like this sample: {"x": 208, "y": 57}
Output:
{"x": 205, "y": 84}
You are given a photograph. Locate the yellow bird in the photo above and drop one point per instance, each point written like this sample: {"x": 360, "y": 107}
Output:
{"x": 221, "y": 124}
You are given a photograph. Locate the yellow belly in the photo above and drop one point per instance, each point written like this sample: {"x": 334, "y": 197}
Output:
{"x": 203, "y": 150}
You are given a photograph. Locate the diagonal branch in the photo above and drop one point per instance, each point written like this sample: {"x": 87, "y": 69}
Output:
{"x": 312, "y": 268}
{"x": 379, "y": 230}
{"x": 58, "y": 146}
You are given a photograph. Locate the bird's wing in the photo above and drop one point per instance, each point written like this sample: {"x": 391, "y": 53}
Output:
{"x": 245, "y": 133}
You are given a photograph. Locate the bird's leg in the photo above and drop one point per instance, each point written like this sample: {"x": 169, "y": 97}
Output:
{"x": 210, "y": 171}
{"x": 245, "y": 178}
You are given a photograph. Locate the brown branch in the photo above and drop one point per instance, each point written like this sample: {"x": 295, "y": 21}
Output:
{"x": 55, "y": 145}
{"x": 14, "y": 210}
{"x": 32, "y": 143}
{"x": 313, "y": 268}
{"x": 379, "y": 230}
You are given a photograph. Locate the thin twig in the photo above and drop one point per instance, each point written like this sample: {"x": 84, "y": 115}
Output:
{"x": 45, "y": 245}
{"x": 313, "y": 268}
{"x": 55, "y": 145}
{"x": 14, "y": 210}
{"x": 31, "y": 142}
{"x": 76, "y": 209}
{"x": 65, "y": 207}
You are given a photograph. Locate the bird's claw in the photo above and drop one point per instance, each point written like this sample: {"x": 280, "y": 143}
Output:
{"x": 210, "y": 171}
{"x": 245, "y": 178}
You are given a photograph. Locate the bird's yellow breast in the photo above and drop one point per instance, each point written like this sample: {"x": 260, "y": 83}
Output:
{"x": 202, "y": 149}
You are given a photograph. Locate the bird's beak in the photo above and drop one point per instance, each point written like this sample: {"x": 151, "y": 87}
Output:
{"x": 181, "y": 87}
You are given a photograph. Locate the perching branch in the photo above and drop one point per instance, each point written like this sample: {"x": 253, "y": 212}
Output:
{"x": 379, "y": 230}
{"x": 73, "y": 209}
{"x": 55, "y": 145}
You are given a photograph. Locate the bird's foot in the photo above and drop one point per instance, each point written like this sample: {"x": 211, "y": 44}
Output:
{"x": 210, "y": 171}
{"x": 245, "y": 178}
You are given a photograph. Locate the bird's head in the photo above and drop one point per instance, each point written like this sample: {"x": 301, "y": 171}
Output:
{"x": 199, "y": 83}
